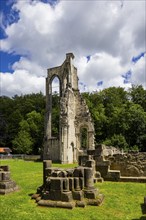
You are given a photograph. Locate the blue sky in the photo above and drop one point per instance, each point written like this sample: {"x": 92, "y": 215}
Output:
{"x": 108, "y": 42}
{"x": 9, "y": 17}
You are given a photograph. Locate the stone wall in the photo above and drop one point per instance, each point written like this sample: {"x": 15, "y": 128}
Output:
{"x": 130, "y": 164}
{"x": 74, "y": 115}
{"x": 115, "y": 165}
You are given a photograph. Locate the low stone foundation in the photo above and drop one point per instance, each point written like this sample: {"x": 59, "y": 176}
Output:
{"x": 117, "y": 166}
{"x": 68, "y": 188}
{"x": 129, "y": 164}
{"x": 6, "y": 184}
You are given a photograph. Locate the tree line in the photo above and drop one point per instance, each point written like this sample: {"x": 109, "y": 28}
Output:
{"x": 119, "y": 119}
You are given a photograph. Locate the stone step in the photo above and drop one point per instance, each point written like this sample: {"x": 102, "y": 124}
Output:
{"x": 133, "y": 179}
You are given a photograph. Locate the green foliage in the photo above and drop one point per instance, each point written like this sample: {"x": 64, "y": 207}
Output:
{"x": 23, "y": 142}
{"x": 19, "y": 114}
{"x": 32, "y": 129}
{"x": 55, "y": 115}
{"x": 83, "y": 136}
{"x": 117, "y": 140}
{"x": 138, "y": 96}
{"x": 119, "y": 118}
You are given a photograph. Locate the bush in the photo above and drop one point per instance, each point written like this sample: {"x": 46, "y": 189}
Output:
{"x": 117, "y": 140}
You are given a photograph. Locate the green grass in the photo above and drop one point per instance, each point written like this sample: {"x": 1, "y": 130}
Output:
{"x": 122, "y": 200}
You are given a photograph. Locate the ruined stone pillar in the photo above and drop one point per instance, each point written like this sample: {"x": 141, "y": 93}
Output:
{"x": 46, "y": 164}
{"x": 88, "y": 178}
{"x": 76, "y": 184}
{"x": 64, "y": 144}
{"x": 91, "y": 163}
{"x": 65, "y": 184}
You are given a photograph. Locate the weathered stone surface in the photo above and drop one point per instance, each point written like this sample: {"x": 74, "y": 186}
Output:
{"x": 129, "y": 164}
{"x": 71, "y": 183}
{"x": 56, "y": 183}
{"x": 78, "y": 195}
{"x": 6, "y": 184}
{"x": 116, "y": 165}
{"x": 67, "y": 186}
{"x": 74, "y": 116}
{"x": 55, "y": 204}
{"x": 81, "y": 204}
{"x": 90, "y": 194}
{"x": 66, "y": 196}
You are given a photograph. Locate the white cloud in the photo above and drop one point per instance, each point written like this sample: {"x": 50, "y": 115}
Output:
{"x": 139, "y": 72}
{"x": 21, "y": 82}
{"x": 101, "y": 67}
{"x": 29, "y": 66}
{"x": 110, "y": 33}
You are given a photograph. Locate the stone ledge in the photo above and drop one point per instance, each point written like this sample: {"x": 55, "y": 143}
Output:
{"x": 133, "y": 179}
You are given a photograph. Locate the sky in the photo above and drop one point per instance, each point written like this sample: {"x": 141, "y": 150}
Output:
{"x": 107, "y": 37}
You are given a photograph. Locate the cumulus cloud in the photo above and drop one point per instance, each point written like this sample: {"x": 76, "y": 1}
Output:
{"x": 112, "y": 32}
{"x": 101, "y": 67}
{"x": 21, "y": 82}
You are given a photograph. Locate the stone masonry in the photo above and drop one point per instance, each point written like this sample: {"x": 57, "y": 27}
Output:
{"x": 68, "y": 188}
{"x": 6, "y": 184}
{"x": 74, "y": 116}
{"x": 129, "y": 164}
{"x": 115, "y": 165}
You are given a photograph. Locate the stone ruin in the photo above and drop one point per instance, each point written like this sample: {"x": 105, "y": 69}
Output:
{"x": 6, "y": 184}
{"x": 69, "y": 188}
{"x": 130, "y": 164}
{"x": 115, "y": 165}
{"x": 74, "y": 118}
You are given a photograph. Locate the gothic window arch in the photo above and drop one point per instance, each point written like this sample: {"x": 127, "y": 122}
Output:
{"x": 84, "y": 137}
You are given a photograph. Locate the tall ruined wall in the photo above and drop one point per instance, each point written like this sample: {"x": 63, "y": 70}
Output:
{"x": 83, "y": 120}
{"x": 74, "y": 115}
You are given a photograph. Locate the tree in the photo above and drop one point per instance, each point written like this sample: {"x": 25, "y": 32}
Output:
{"x": 117, "y": 140}
{"x": 36, "y": 129}
{"x": 136, "y": 129}
{"x": 13, "y": 111}
{"x": 23, "y": 142}
{"x": 55, "y": 115}
{"x": 138, "y": 95}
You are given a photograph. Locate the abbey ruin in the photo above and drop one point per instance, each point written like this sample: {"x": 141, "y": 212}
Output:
{"x": 74, "y": 118}
{"x": 74, "y": 121}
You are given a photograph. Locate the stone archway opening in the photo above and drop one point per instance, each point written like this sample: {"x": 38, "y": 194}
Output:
{"x": 55, "y": 106}
{"x": 83, "y": 138}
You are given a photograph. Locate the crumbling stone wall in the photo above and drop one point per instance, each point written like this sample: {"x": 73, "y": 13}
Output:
{"x": 115, "y": 165}
{"x": 74, "y": 115}
{"x": 129, "y": 164}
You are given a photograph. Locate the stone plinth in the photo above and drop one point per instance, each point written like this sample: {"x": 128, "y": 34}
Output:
{"x": 68, "y": 188}
{"x": 6, "y": 184}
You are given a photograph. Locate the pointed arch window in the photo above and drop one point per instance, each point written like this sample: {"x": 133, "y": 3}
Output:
{"x": 84, "y": 138}
{"x": 55, "y": 106}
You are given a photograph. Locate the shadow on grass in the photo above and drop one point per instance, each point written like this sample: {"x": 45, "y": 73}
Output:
{"x": 141, "y": 218}
{"x": 143, "y": 209}
{"x": 30, "y": 194}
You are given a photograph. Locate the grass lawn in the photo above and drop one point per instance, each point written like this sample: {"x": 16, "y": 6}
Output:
{"x": 122, "y": 200}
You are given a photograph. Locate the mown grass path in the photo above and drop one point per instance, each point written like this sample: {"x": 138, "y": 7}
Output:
{"x": 122, "y": 200}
